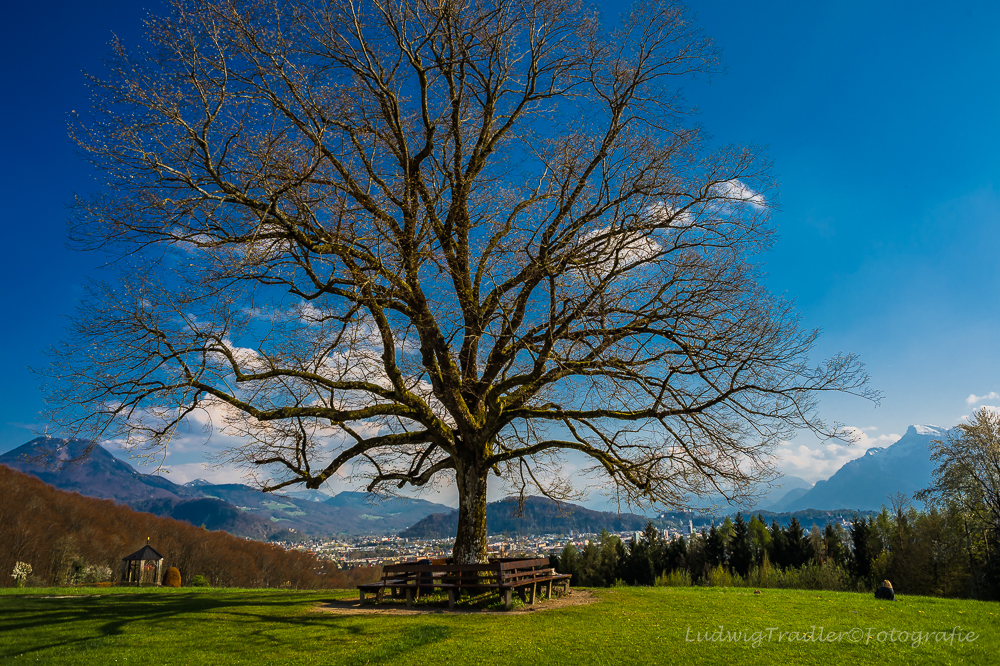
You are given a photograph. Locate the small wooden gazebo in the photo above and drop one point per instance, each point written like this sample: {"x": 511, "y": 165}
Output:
{"x": 143, "y": 567}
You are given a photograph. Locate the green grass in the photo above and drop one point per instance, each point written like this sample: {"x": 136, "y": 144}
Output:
{"x": 626, "y": 626}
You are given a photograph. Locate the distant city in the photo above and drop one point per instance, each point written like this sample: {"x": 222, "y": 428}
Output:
{"x": 371, "y": 550}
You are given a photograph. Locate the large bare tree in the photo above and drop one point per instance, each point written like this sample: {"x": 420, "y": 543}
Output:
{"x": 423, "y": 239}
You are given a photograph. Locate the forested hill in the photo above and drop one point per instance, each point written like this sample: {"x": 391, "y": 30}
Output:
{"x": 67, "y": 538}
{"x": 537, "y": 515}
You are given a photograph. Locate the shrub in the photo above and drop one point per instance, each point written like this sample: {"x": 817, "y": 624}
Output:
{"x": 173, "y": 578}
{"x": 720, "y": 577}
{"x": 98, "y": 573}
{"x": 21, "y": 572}
{"x": 676, "y": 578}
{"x": 881, "y": 566}
{"x": 198, "y": 581}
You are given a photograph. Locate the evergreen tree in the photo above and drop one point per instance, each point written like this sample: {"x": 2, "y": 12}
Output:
{"x": 590, "y": 566}
{"x": 696, "y": 555}
{"x": 833, "y": 543}
{"x": 741, "y": 548}
{"x": 778, "y": 550}
{"x": 656, "y": 547}
{"x": 861, "y": 536}
{"x": 568, "y": 562}
{"x": 797, "y": 546}
{"x": 638, "y": 568}
{"x": 675, "y": 557}
{"x": 715, "y": 548}
{"x": 612, "y": 558}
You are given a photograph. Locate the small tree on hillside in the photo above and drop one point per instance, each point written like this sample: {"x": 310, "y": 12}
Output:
{"x": 760, "y": 538}
{"x": 407, "y": 241}
{"x": 967, "y": 480}
{"x": 968, "y": 469}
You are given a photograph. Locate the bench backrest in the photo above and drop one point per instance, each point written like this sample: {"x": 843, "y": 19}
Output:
{"x": 504, "y": 571}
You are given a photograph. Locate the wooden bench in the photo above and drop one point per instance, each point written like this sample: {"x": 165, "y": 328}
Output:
{"x": 506, "y": 576}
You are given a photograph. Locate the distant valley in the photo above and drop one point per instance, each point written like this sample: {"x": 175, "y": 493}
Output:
{"x": 864, "y": 484}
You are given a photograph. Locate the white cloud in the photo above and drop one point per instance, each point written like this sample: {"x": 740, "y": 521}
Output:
{"x": 973, "y": 398}
{"x": 822, "y": 460}
{"x": 620, "y": 250}
{"x": 989, "y": 408}
{"x": 660, "y": 212}
{"x": 737, "y": 191}
{"x": 865, "y": 441}
{"x": 190, "y": 471}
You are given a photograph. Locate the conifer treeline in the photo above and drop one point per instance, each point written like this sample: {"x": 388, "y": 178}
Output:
{"x": 925, "y": 553}
{"x": 68, "y": 538}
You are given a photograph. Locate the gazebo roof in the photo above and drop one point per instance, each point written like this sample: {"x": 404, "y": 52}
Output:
{"x": 144, "y": 553}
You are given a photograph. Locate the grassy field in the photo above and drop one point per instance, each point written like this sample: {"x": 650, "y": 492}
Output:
{"x": 625, "y": 626}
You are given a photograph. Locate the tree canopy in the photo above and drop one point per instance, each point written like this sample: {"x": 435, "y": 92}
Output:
{"x": 967, "y": 482}
{"x": 417, "y": 240}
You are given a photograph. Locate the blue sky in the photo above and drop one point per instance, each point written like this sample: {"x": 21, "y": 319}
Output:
{"x": 881, "y": 120}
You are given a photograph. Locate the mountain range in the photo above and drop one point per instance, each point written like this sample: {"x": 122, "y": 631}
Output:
{"x": 862, "y": 484}
{"x": 868, "y": 482}
{"x": 777, "y": 490}
{"x": 535, "y": 515}
{"x": 235, "y": 508}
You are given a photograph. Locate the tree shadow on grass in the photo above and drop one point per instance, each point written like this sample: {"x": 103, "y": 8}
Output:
{"x": 389, "y": 648}
{"x": 107, "y": 616}
{"x": 265, "y": 619}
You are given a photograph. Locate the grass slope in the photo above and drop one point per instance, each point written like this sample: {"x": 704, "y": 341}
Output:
{"x": 627, "y": 626}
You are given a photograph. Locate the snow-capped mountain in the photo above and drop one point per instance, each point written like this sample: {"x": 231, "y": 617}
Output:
{"x": 866, "y": 483}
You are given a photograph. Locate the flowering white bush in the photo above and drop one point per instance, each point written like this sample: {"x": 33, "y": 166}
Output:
{"x": 21, "y": 572}
{"x": 96, "y": 574}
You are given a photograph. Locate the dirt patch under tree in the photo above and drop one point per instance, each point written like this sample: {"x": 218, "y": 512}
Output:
{"x": 355, "y": 607}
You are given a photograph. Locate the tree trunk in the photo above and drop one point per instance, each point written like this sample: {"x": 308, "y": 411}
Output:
{"x": 470, "y": 540}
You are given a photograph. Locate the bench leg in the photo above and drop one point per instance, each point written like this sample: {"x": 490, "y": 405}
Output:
{"x": 508, "y": 598}
{"x": 548, "y": 593}
{"x": 362, "y": 596}
{"x": 534, "y": 593}
{"x": 451, "y": 598}
{"x": 409, "y": 598}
